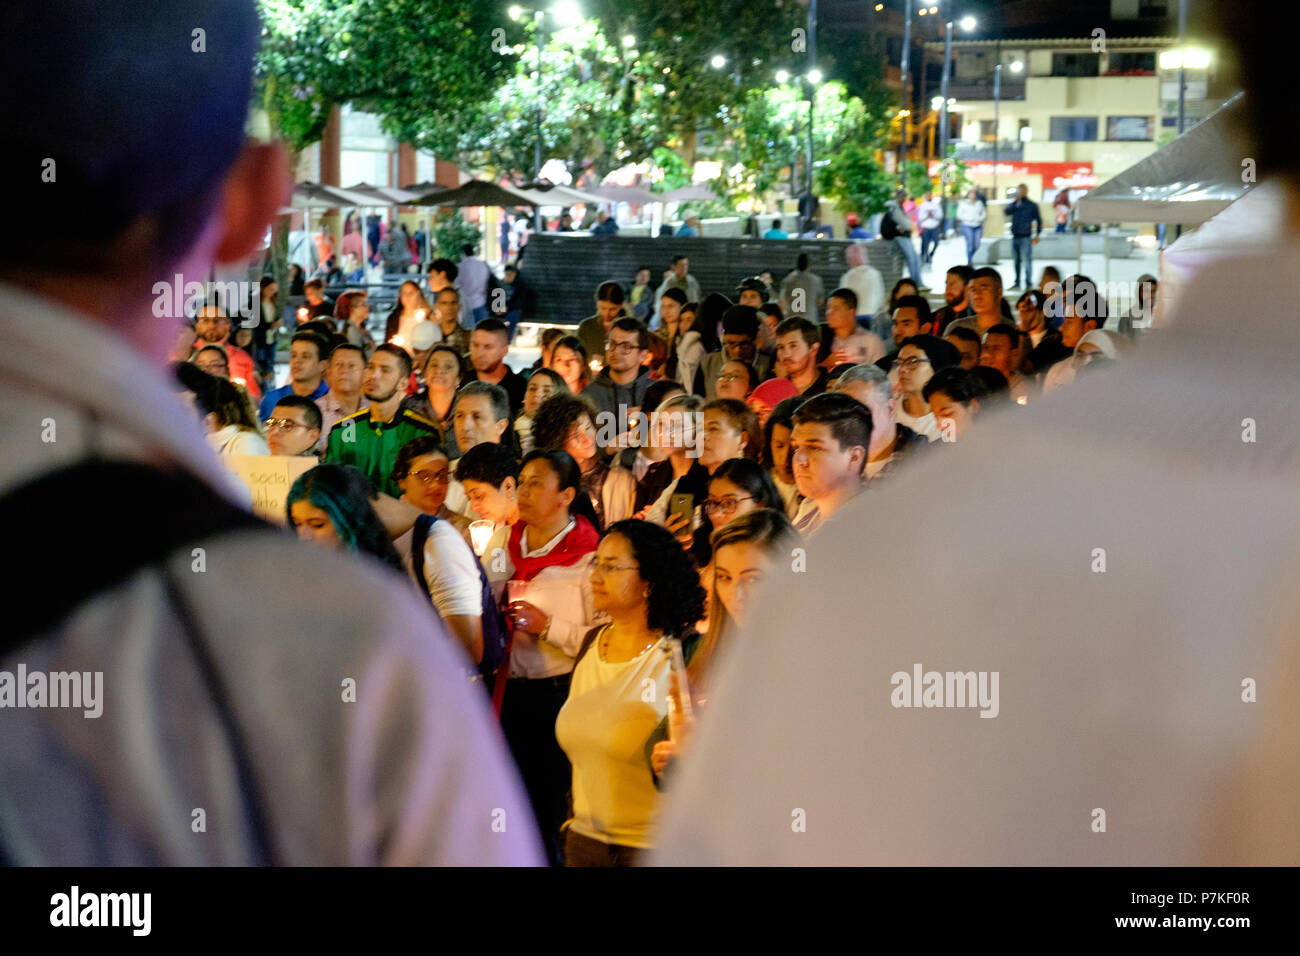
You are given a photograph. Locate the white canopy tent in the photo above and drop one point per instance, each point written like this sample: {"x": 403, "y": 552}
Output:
{"x": 1255, "y": 223}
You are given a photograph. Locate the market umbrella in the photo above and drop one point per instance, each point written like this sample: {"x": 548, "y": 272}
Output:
{"x": 687, "y": 193}
{"x": 479, "y": 192}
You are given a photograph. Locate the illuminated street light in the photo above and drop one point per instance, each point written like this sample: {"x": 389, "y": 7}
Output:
{"x": 566, "y": 12}
{"x": 1017, "y": 66}
{"x": 516, "y": 12}
{"x": 814, "y": 76}
{"x": 629, "y": 41}
{"x": 783, "y": 76}
{"x": 968, "y": 23}
{"x": 718, "y": 61}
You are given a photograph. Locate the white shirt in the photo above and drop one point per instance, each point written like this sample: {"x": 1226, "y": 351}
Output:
{"x": 930, "y": 214}
{"x": 450, "y": 571}
{"x": 925, "y": 425}
{"x": 971, "y": 212}
{"x": 1120, "y": 691}
{"x": 869, "y": 286}
{"x": 109, "y": 791}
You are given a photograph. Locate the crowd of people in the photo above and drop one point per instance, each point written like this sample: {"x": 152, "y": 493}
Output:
{"x": 589, "y": 528}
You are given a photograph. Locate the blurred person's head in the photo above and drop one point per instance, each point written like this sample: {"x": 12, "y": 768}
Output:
{"x": 212, "y": 359}
{"x": 985, "y": 291}
{"x": 871, "y": 386}
{"x": 735, "y": 380}
{"x": 670, "y": 308}
{"x": 567, "y": 423}
{"x": 639, "y": 574}
{"x": 842, "y": 312}
{"x": 1029, "y": 312}
{"x": 609, "y": 302}
{"x": 954, "y": 397}
{"x": 776, "y": 439}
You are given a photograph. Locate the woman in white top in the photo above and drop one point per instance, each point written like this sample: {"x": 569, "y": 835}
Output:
{"x": 970, "y": 220}
{"x": 412, "y": 307}
{"x": 231, "y": 428}
{"x": 690, "y": 348}
{"x": 543, "y": 383}
{"x": 619, "y": 692}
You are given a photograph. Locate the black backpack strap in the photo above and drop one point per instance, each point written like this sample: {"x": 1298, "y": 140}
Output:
{"x": 420, "y": 535}
{"x": 152, "y": 514}
{"x": 149, "y": 515}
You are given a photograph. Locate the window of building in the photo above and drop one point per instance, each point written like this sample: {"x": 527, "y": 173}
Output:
{"x": 1132, "y": 63}
{"x": 1130, "y": 128}
{"x": 988, "y": 131}
{"x": 1074, "y": 129}
{"x": 1076, "y": 64}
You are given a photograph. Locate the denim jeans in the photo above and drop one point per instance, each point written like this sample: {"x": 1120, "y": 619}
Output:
{"x": 910, "y": 257}
{"x": 972, "y": 235}
{"x": 479, "y": 314}
{"x": 1022, "y": 247}
{"x": 929, "y": 243}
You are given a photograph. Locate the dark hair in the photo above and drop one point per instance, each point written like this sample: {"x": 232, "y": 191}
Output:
{"x": 959, "y": 384}
{"x": 610, "y": 291}
{"x": 489, "y": 463}
{"x": 1055, "y": 272}
{"x": 797, "y": 323}
{"x": 550, "y": 334}
{"x": 753, "y": 479}
{"x": 676, "y": 599}
{"x": 893, "y": 293}
{"x": 143, "y": 150}
{"x": 450, "y": 350}
{"x": 316, "y": 282}
{"x": 940, "y": 353}
{"x": 991, "y": 380}
{"x": 344, "y": 494}
{"x": 466, "y": 249}
{"x": 740, "y": 320}
{"x": 214, "y": 348}
{"x": 417, "y": 448}
{"x": 676, "y": 294}
{"x": 741, "y": 418}
{"x": 574, "y": 344}
{"x": 847, "y": 296}
{"x": 314, "y": 419}
{"x": 709, "y": 317}
{"x": 496, "y": 326}
{"x": 322, "y": 344}
{"x": 628, "y": 324}
{"x": 1075, "y": 291}
{"x": 782, "y": 414}
{"x": 231, "y": 407}
{"x": 772, "y": 309}
{"x": 678, "y": 258}
{"x": 399, "y": 353}
{"x": 556, "y": 416}
{"x": 347, "y": 347}
{"x": 556, "y": 378}
{"x": 776, "y": 223}
{"x": 962, "y": 272}
{"x": 918, "y": 302}
{"x": 570, "y": 476}
{"x": 200, "y": 384}
{"x": 1011, "y": 333}
{"x": 965, "y": 333}
{"x": 849, "y": 419}
{"x": 801, "y": 262}
{"x": 752, "y": 284}
{"x": 445, "y": 266}
{"x": 497, "y": 397}
{"x": 1034, "y": 296}
{"x": 987, "y": 272}
{"x": 657, "y": 392}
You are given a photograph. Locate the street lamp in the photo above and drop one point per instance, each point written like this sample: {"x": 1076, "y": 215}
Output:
{"x": 783, "y": 77}
{"x": 968, "y": 24}
{"x": 718, "y": 61}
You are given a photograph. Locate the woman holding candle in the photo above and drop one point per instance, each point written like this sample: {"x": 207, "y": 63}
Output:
{"x": 412, "y": 307}
{"x": 619, "y": 691}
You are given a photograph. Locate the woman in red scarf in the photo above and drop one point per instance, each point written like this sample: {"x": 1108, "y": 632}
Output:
{"x": 547, "y": 562}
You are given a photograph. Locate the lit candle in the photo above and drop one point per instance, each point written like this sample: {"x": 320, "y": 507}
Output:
{"x": 1022, "y": 400}
{"x": 480, "y": 532}
{"x": 302, "y": 314}
{"x": 419, "y": 315}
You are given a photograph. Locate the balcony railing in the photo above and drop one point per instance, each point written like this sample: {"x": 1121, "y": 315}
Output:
{"x": 1012, "y": 89}
{"x": 1008, "y": 150}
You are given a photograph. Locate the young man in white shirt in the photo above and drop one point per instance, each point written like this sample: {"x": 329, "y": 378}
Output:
{"x": 850, "y": 344}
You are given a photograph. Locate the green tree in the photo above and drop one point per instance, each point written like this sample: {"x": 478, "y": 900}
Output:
{"x": 855, "y": 180}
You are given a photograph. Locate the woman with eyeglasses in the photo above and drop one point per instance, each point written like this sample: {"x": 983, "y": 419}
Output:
{"x": 746, "y": 550}
{"x": 736, "y": 379}
{"x": 736, "y": 488}
{"x": 450, "y": 570}
{"x": 543, "y": 564}
{"x": 618, "y": 696}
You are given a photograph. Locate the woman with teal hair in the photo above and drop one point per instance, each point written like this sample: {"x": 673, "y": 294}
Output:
{"x": 330, "y": 506}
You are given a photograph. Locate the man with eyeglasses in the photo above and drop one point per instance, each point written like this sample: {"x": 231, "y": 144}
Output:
{"x": 294, "y": 426}
{"x": 739, "y": 344}
{"x": 213, "y": 327}
{"x": 623, "y": 380}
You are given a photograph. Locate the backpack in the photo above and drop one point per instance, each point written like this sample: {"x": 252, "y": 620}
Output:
{"x": 156, "y": 513}
{"x": 496, "y": 630}
{"x": 888, "y": 228}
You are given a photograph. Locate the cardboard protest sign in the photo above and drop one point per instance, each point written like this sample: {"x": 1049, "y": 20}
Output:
{"x": 269, "y": 478}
